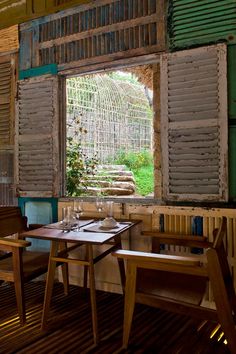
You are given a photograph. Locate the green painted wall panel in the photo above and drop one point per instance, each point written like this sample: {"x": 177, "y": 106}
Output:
{"x": 198, "y": 22}
{"x": 232, "y": 81}
{"x": 232, "y": 163}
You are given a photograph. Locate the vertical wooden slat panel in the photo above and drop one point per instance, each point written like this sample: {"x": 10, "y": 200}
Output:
{"x": 109, "y": 24}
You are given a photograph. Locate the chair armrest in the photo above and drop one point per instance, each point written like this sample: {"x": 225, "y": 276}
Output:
{"x": 177, "y": 239}
{"x": 13, "y": 243}
{"x": 161, "y": 262}
{"x": 160, "y": 258}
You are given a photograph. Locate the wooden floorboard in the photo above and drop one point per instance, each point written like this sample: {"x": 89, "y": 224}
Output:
{"x": 70, "y": 330}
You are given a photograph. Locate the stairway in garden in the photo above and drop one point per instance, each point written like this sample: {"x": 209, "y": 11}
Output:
{"x": 112, "y": 180}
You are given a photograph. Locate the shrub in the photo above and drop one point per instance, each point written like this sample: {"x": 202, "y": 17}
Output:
{"x": 141, "y": 164}
{"x": 134, "y": 160}
{"x": 79, "y": 168}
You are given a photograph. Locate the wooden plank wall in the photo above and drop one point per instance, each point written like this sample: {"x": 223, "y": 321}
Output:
{"x": 9, "y": 40}
{"x": 17, "y": 11}
{"x": 95, "y": 33}
{"x": 176, "y": 219}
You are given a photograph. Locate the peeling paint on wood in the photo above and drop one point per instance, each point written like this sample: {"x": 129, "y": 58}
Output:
{"x": 37, "y": 137}
{"x": 194, "y": 124}
{"x": 7, "y": 95}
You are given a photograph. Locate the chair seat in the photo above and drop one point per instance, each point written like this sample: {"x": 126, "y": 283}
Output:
{"x": 34, "y": 264}
{"x": 174, "y": 286}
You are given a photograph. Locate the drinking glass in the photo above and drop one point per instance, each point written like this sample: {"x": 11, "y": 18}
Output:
{"x": 100, "y": 206}
{"x": 110, "y": 209}
{"x": 66, "y": 218}
{"x": 78, "y": 209}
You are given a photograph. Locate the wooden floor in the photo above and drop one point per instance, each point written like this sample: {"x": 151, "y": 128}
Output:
{"x": 70, "y": 331}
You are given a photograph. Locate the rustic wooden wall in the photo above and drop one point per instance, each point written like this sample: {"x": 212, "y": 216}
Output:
{"x": 18, "y": 11}
{"x": 99, "y": 32}
{"x": 9, "y": 39}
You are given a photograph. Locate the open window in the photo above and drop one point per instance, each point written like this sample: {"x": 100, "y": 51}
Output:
{"x": 110, "y": 133}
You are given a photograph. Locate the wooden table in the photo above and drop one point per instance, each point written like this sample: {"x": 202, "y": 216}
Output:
{"x": 59, "y": 252}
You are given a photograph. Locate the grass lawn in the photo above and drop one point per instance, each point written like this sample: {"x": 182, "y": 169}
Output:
{"x": 144, "y": 178}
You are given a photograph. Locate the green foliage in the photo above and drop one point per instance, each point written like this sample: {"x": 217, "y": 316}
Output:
{"x": 79, "y": 168}
{"x": 141, "y": 164}
{"x": 144, "y": 178}
{"x": 124, "y": 76}
{"x": 134, "y": 160}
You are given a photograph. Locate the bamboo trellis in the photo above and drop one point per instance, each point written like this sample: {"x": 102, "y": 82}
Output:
{"x": 115, "y": 113}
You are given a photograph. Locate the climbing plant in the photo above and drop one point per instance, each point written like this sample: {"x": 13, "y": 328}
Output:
{"x": 79, "y": 166}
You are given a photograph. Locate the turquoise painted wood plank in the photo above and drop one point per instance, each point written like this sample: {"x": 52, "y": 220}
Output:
{"x": 39, "y": 211}
{"x": 41, "y": 70}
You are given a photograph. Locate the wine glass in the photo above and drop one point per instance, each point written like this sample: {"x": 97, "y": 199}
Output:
{"x": 78, "y": 209}
{"x": 100, "y": 206}
{"x": 66, "y": 218}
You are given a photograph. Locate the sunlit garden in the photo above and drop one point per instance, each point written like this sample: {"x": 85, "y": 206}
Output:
{"x": 109, "y": 136}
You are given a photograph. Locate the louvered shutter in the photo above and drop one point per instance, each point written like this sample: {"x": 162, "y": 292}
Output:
{"x": 38, "y": 137}
{"x": 7, "y": 81}
{"x": 194, "y": 124}
{"x": 7, "y": 99}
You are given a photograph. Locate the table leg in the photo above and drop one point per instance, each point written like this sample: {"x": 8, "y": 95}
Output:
{"x": 93, "y": 293}
{"x": 64, "y": 269}
{"x": 121, "y": 263}
{"x": 86, "y": 269}
{"x": 49, "y": 283}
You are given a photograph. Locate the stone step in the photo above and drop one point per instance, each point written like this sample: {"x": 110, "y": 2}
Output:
{"x": 112, "y": 167}
{"x": 108, "y": 191}
{"x": 112, "y": 178}
{"x": 113, "y": 184}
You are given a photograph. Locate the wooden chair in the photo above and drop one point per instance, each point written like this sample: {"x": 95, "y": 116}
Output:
{"x": 16, "y": 264}
{"x": 178, "y": 284}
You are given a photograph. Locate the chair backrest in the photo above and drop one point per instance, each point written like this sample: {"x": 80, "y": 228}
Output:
{"x": 220, "y": 234}
{"x": 165, "y": 292}
{"x": 11, "y": 221}
{"x": 219, "y": 268}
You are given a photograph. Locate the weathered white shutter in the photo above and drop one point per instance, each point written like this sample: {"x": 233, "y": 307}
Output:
{"x": 7, "y": 89}
{"x": 194, "y": 124}
{"x": 38, "y": 137}
{"x": 7, "y": 99}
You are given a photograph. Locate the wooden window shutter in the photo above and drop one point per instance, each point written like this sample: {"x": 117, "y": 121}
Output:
{"x": 7, "y": 100}
{"x": 7, "y": 92}
{"x": 38, "y": 137}
{"x": 194, "y": 124}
